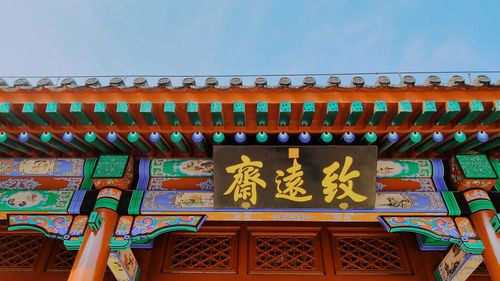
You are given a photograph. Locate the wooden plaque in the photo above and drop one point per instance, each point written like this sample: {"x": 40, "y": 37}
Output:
{"x": 308, "y": 177}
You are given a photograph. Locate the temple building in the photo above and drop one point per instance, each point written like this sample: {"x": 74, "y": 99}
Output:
{"x": 342, "y": 181}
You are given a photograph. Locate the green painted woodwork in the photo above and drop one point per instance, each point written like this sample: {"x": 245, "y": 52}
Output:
{"x": 124, "y": 113}
{"x": 481, "y": 204}
{"x": 476, "y": 166}
{"x": 451, "y": 110}
{"x": 14, "y": 201}
{"x": 110, "y": 166}
{"x": 161, "y": 144}
{"x": 79, "y": 145}
{"x": 107, "y": 203}
{"x": 458, "y": 138}
{"x": 76, "y": 110}
{"x": 36, "y": 145}
{"x": 475, "y": 109}
{"x": 135, "y": 139}
{"x": 495, "y": 223}
{"x": 5, "y": 149}
{"x": 431, "y": 242}
{"x": 379, "y": 111}
{"x": 284, "y": 116}
{"x": 95, "y": 221}
{"x": 494, "y": 142}
{"x": 179, "y": 141}
{"x": 404, "y": 110}
{"x": 91, "y": 138}
{"x": 134, "y": 207}
{"x": 88, "y": 168}
{"x": 194, "y": 116}
{"x": 414, "y": 138}
{"x": 494, "y": 114}
{"x": 496, "y": 166}
{"x": 332, "y": 109}
{"x": 169, "y": 110}
{"x": 48, "y": 138}
{"x": 262, "y": 110}
{"x": 307, "y": 114}
{"x": 428, "y": 110}
{"x": 29, "y": 111}
{"x": 8, "y": 114}
{"x": 103, "y": 114}
{"x": 216, "y": 112}
{"x": 5, "y": 140}
{"x": 451, "y": 203}
{"x": 354, "y": 113}
{"x": 147, "y": 113}
{"x": 239, "y": 113}
{"x": 53, "y": 112}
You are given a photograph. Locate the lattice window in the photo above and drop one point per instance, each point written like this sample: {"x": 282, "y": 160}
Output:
{"x": 377, "y": 254}
{"x": 198, "y": 252}
{"x": 61, "y": 259}
{"x": 19, "y": 251}
{"x": 285, "y": 253}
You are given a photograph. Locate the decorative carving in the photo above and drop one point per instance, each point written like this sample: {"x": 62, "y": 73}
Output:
{"x": 458, "y": 230}
{"x": 148, "y": 227}
{"x": 53, "y": 226}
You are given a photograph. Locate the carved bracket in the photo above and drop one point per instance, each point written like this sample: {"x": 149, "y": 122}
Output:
{"x": 129, "y": 229}
{"x": 457, "y": 230}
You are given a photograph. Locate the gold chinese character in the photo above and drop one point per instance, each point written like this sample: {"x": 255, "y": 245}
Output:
{"x": 331, "y": 187}
{"x": 246, "y": 179}
{"x": 293, "y": 183}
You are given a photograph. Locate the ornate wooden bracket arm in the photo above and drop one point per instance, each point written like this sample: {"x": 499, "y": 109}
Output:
{"x": 141, "y": 229}
{"x": 456, "y": 230}
{"x": 53, "y": 226}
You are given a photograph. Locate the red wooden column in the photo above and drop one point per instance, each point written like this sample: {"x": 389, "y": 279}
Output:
{"x": 473, "y": 175}
{"x": 113, "y": 173}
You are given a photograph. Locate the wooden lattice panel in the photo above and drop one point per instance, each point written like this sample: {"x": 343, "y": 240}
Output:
{"x": 374, "y": 254}
{"x": 19, "y": 251}
{"x": 201, "y": 252}
{"x": 61, "y": 259}
{"x": 285, "y": 252}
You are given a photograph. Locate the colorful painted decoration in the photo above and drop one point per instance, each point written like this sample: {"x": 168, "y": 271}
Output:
{"x": 458, "y": 230}
{"x": 175, "y": 174}
{"x": 53, "y": 226}
{"x": 113, "y": 170}
{"x": 45, "y": 173}
{"x": 95, "y": 221}
{"x": 129, "y": 229}
{"x": 472, "y": 170}
{"x": 457, "y": 265}
{"x": 124, "y": 265}
{"x": 410, "y": 175}
{"x": 30, "y": 201}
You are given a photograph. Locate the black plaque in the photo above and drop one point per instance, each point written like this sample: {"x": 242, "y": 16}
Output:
{"x": 308, "y": 177}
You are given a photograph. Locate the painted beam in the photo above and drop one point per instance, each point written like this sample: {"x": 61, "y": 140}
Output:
{"x": 77, "y": 111}
{"x": 30, "y": 112}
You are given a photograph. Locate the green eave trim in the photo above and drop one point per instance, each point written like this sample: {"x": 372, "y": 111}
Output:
{"x": 163, "y": 230}
{"x": 107, "y": 203}
{"x": 134, "y": 208}
{"x": 87, "y": 171}
{"x": 481, "y": 204}
{"x": 451, "y": 203}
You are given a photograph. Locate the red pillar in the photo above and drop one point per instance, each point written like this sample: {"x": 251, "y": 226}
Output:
{"x": 92, "y": 258}
{"x": 490, "y": 239}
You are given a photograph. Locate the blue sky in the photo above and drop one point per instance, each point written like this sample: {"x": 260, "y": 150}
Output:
{"x": 248, "y": 37}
